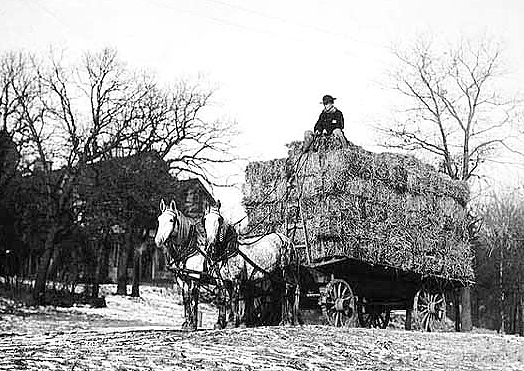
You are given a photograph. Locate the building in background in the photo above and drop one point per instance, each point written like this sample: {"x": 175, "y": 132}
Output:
{"x": 192, "y": 199}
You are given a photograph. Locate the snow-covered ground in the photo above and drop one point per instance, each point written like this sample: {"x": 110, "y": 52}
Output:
{"x": 143, "y": 334}
{"x": 262, "y": 348}
{"x": 156, "y": 306}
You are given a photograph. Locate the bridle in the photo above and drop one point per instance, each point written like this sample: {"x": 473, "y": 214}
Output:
{"x": 176, "y": 251}
{"x": 225, "y": 244}
{"x": 221, "y": 230}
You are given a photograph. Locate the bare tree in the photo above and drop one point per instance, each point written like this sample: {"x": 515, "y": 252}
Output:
{"x": 454, "y": 108}
{"x": 66, "y": 119}
{"x": 454, "y": 111}
{"x": 178, "y": 125}
{"x": 13, "y": 77}
{"x": 503, "y": 233}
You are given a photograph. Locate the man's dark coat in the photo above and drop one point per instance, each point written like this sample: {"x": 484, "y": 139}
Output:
{"x": 330, "y": 121}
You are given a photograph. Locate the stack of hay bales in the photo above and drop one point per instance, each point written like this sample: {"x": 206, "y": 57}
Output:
{"x": 383, "y": 208}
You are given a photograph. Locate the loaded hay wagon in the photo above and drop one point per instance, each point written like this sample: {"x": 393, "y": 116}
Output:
{"x": 377, "y": 232}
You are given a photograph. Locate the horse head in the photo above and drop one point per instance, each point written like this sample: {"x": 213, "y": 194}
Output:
{"x": 166, "y": 222}
{"x": 215, "y": 230}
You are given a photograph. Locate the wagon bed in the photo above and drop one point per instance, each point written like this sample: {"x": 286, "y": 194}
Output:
{"x": 353, "y": 292}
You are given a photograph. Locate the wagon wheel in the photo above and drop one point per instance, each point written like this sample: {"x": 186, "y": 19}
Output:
{"x": 429, "y": 308}
{"x": 373, "y": 316}
{"x": 339, "y": 303}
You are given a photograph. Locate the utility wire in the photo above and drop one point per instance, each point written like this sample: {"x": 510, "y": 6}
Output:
{"x": 53, "y": 15}
{"x": 225, "y": 22}
{"x": 287, "y": 21}
{"x": 265, "y": 31}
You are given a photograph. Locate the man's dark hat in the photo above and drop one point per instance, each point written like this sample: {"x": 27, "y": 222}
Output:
{"x": 328, "y": 99}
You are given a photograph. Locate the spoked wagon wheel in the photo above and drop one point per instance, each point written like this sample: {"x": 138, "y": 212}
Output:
{"x": 338, "y": 304}
{"x": 429, "y": 309}
{"x": 373, "y": 316}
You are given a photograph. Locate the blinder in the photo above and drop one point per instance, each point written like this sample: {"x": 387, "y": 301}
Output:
{"x": 221, "y": 229}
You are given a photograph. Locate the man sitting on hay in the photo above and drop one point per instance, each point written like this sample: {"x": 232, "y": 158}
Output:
{"x": 330, "y": 122}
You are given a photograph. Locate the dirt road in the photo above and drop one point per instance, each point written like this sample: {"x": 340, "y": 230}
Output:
{"x": 270, "y": 348}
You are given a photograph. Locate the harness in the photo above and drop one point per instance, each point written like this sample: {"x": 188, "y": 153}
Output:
{"x": 180, "y": 250}
{"x": 228, "y": 242}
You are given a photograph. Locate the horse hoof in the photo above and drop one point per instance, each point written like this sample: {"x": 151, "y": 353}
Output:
{"x": 218, "y": 326}
{"x": 242, "y": 325}
{"x": 230, "y": 325}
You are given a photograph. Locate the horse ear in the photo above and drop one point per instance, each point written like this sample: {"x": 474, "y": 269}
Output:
{"x": 172, "y": 205}
{"x": 218, "y": 204}
{"x": 162, "y": 205}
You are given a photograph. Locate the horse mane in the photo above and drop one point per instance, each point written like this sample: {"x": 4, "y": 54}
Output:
{"x": 228, "y": 241}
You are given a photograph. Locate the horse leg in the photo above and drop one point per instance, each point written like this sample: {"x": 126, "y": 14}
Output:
{"x": 297, "y": 320}
{"x": 236, "y": 305}
{"x": 249, "y": 293}
{"x": 185, "y": 301}
{"x": 193, "y": 306}
{"x": 233, "y": 305}
{"x": 284, "y": 300}
{"x": 241, "y": 304}
{"x": 222, "y": 307}
{"x": 246, "y": 304}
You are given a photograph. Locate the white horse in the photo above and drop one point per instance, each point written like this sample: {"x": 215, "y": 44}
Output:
{"x": 270, "y": 261}
{"x": 186, "y": 250}
{"x": 183, "y": 241}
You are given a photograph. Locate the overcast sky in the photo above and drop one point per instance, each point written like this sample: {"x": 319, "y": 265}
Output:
{"x": 272, "y": 60}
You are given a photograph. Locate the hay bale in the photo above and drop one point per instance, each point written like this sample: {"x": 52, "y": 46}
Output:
{"x": 381, "y": 208}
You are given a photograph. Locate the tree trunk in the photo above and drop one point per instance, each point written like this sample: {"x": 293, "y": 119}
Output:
{"x": 53, "y": 264}
{"x": 476, "y": 315}
{"x": 512, "y": 318}
{"x": 456, "y": 308}
{"x": 465, "y": 313}
{"x": 521, "y": 304}
{"x": 101, "y": 261}
{"x": 123, "y": 256}
{"x": 501, "y": 292}
{"x": 137, "y": 263}
{"x": 137, "y": 267}
{"x": 41, "y": 277}
{"x": 154, "y": 264}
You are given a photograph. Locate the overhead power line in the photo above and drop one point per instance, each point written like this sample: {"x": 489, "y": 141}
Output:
{"x": 250, "y": 28}
{"x": 288, "y": 22}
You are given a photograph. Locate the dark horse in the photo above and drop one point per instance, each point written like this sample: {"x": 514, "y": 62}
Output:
{"x": 194, "y": 258}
